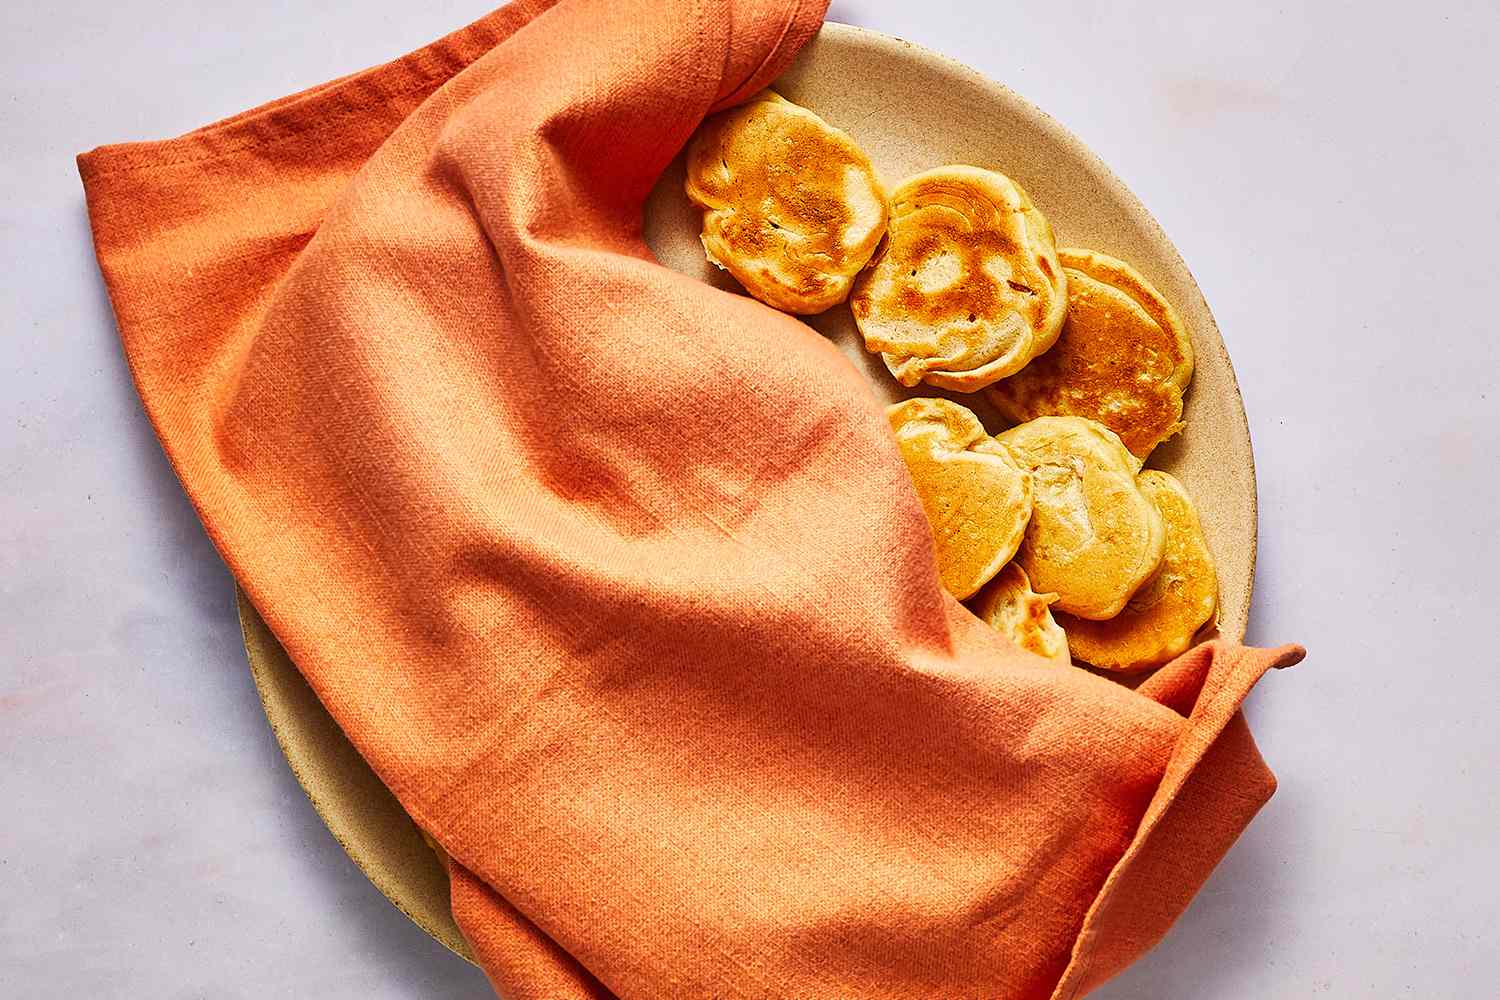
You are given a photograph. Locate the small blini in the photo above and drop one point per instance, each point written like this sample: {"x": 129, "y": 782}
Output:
{"x": 1160, "y": 621}
{"x": 976, "y": 496}
{"x": 1094, "y": 537}
{"x": 1023, "y": 616}
{"x": 791, "y": 205}
{"x": 967, "y": 287}
{"x": 1124, "y": 357}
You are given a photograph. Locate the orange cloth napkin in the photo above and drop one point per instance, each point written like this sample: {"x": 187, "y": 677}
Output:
{"x": 617, "y": 580}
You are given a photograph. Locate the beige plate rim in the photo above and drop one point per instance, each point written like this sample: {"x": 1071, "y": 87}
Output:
{"x": 362, "y": 814}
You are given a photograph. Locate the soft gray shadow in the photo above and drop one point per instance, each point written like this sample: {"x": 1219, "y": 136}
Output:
{"x": 847, "y": 12}
{"x": 1224, "y": 933}
{"x": 409, "y": 959}
{"x": 181, "y": 533}
{"x": 1267, "y": 550}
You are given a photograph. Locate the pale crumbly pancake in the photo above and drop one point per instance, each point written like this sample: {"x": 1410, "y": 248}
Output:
{"x": 1022, "y": 615}
{"x": 977, "y": 498}
{"x": 1094, "y": 537}
{"x": 967, "y": 287}
{"x": 1159, "y": 622}
{"x": 792, "y": 207}
{"x": 1123, "y": 358}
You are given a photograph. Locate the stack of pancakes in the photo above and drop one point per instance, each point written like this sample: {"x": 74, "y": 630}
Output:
{"x": 1051, "y": 528}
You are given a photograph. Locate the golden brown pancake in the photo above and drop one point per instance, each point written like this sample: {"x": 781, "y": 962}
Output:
{"x": 792, "y": 207}
{"x": 1123, "y": 358}
{"x": 967, "y": 287}
{"x": 1022, "y": 615}
{"x": 977, "y": 498}
{"x": 1094, "y": 537}
{"x": 1159, "y": 622}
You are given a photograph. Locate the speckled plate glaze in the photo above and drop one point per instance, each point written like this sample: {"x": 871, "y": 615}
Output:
{"x": 910, "y": 109}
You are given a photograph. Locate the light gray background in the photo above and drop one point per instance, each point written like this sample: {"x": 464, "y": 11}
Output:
{"x": 1329, "y": 174}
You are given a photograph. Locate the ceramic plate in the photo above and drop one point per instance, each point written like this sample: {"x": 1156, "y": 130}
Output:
{"x": 910, "y": 109}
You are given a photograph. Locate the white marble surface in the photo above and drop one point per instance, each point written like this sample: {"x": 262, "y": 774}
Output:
{"x": 1329, "y": 174}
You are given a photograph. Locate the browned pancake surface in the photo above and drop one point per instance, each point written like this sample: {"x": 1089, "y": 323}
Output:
{"x": 1094, "y": 537}
{"x": 976, "y": 496}
{"x": 1022, "y": 615}
{"x": 967, "y": 287}
{"x": 1159, "y": 622}
{"x": 792, "y": 207}
{"x": 1123, "y": 357}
